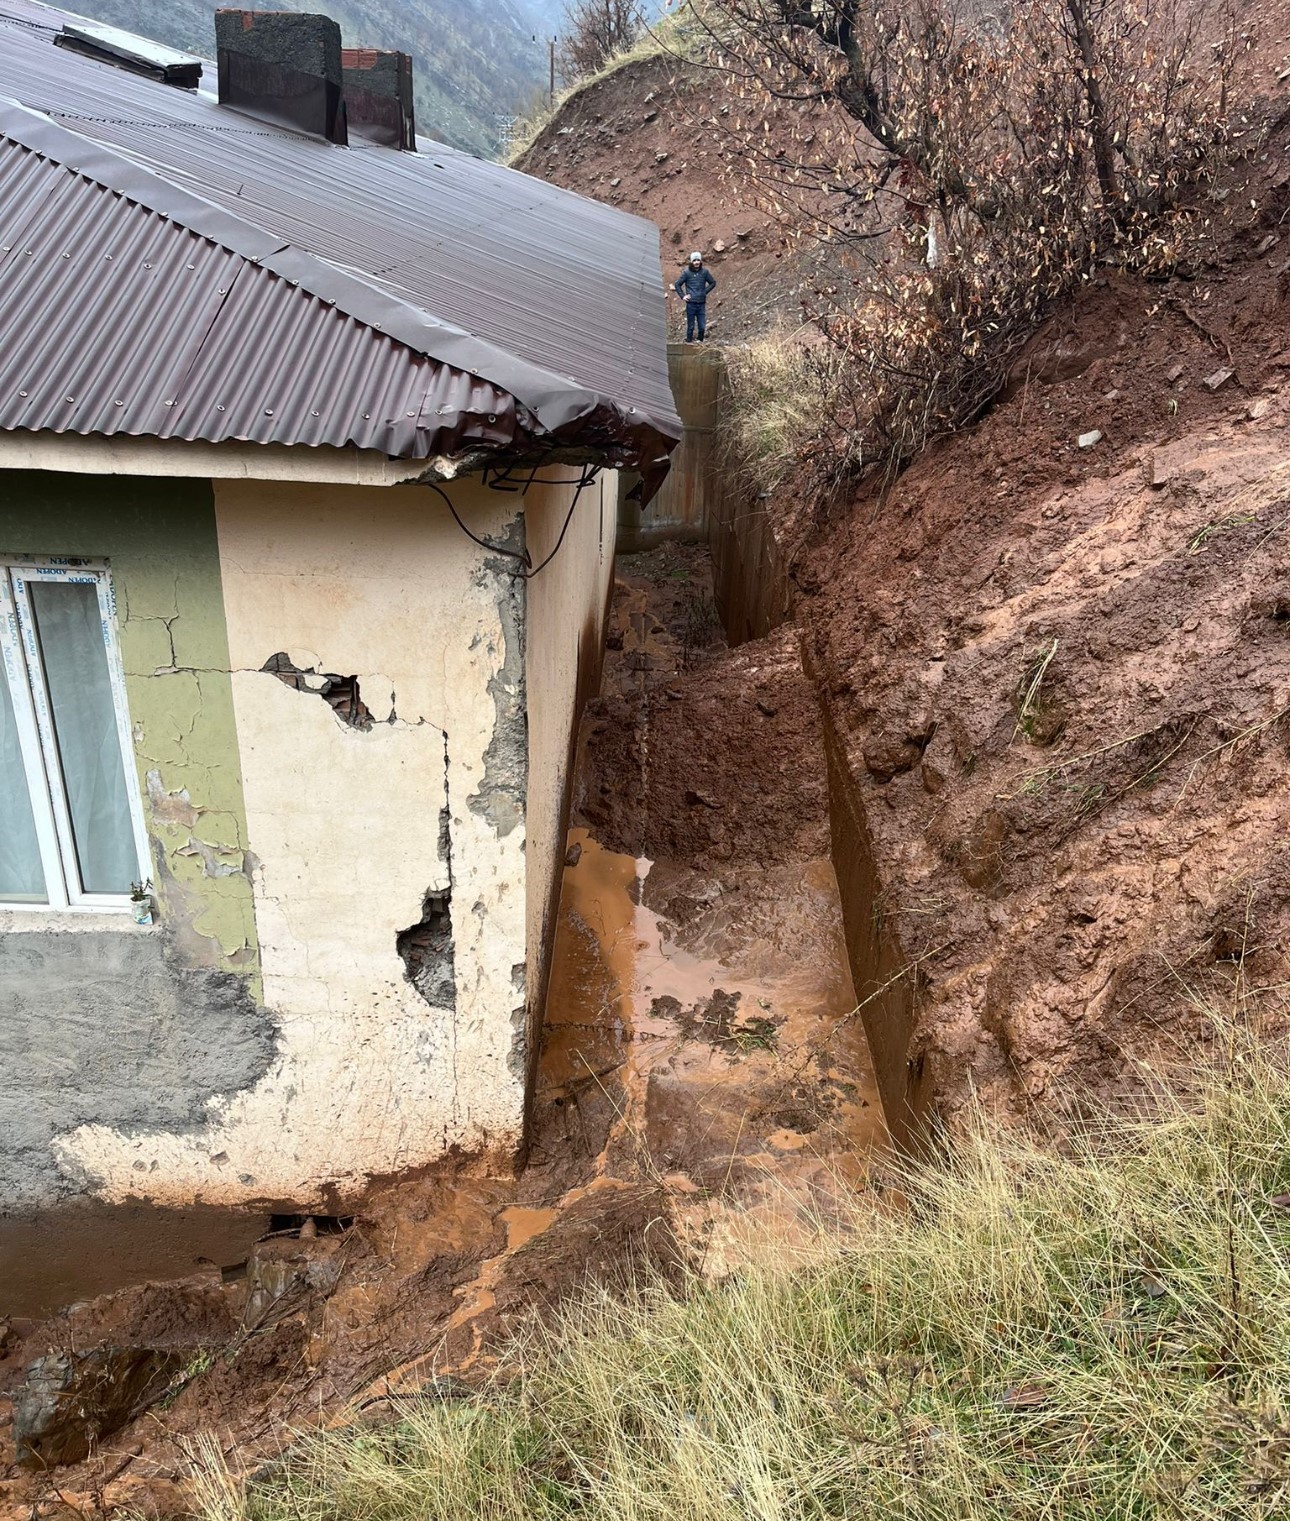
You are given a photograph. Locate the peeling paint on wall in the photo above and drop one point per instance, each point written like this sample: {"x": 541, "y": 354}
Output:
{"x": 386, "y": 884}
{"x": 503, "y": 788}
{"x": 103, "y": 1021}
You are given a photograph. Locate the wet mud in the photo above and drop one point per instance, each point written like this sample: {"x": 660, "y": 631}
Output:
{"x": 704, "y": 1091}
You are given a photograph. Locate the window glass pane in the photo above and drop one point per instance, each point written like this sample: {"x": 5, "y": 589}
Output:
{"x": 72, "y": 651}
{"x": 22, "y": 880}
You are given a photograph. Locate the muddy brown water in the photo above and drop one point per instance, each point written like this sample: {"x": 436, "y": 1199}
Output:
{"x": 56, "y": 1257}
{"x": 635, "y": 1009}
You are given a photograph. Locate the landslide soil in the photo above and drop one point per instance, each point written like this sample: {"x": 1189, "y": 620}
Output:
{"x": 1060, "y": 680}
{"x": 1056, "y": 678}
{"x": 659, "y": 139}
{"x": 701, "y": 1072}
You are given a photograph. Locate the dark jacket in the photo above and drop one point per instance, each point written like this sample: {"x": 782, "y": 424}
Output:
{"x": 695, "y": 283}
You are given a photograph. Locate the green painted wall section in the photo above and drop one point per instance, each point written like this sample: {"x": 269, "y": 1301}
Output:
{"x": 159, "y": 537}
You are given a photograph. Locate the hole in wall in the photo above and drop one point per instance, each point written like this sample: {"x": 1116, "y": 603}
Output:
{"x": 340, "y": 693}
{"x": 426, "y": 949}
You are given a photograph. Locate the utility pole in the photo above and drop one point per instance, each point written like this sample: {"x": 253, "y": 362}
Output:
{"x": 550, "y": 99}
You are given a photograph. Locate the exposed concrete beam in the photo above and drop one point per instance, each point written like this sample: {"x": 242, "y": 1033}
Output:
{"x": 174, "y": 457}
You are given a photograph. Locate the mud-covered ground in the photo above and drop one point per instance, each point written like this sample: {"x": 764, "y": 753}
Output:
{"x": 700, "y": 1053}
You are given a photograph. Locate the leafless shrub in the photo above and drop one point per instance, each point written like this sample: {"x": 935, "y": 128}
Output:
{"x": 972, "y": 162}
{"x": 594, "y": 31}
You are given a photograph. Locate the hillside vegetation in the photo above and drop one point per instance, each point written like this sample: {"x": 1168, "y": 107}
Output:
{"x": 475, "y": 61}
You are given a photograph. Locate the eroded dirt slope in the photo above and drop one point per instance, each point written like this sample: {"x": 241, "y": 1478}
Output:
{"x": 1057, "y": 656}
{"x": 660, "y": 139}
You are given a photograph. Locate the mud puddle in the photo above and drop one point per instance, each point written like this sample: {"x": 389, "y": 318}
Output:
{"x": 57, "y": 1257}
{"x": 706, "y": 1031}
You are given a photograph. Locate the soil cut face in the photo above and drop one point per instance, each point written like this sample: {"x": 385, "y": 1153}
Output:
{"x": 1054, "y": 656}
{"x": 702, "y": 1073}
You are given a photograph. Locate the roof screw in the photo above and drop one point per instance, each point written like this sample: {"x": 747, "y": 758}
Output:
{"x": 69, "y": 398}
{"x": 67, "y": 256}
{"x": 314, "y": 413}
{"x": 22, "y": 393}
{"x": 146, "y": 265}
{"x": 367, "y": 417}
{"x": 268, "y": 411}
{"x": 118, "y": 402}
{"x": 108, "y": 257}
{"x": 192, "y": 266}
{"x": 223, "y": 290}
{"x": 219, "y": 406}
{"x": 170, "y": 403}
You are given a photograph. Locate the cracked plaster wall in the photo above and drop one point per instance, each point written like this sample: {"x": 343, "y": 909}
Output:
{"x": 101, "y": 1020}
{"x": 345, "y": 826}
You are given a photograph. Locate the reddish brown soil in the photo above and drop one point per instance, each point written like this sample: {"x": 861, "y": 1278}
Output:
{"x": 654, "y": 137}
{"x": 719, "y": 766}
{"x": 1081, "y": 884}
{"x": 1093, "y": 878}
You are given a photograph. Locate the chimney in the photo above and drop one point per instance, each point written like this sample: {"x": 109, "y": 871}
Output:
{"x": 282, "y": 67}
{"x": 378, "y": 97}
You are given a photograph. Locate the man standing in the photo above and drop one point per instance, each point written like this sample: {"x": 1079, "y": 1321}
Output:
{"x": 694, "y": 282}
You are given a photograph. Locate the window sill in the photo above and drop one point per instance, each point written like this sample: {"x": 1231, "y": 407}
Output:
{"x": 35, "y": 921}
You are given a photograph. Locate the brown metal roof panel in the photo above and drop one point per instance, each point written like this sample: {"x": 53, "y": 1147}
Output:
{"x": 117, "y": 321}
{"x": 563, "y": 283}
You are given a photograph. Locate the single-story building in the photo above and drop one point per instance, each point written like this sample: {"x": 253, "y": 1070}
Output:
{"x": 310, "y": 441}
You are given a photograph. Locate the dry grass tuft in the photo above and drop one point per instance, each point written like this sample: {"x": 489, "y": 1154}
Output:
{"x": 1097, "y": 1332}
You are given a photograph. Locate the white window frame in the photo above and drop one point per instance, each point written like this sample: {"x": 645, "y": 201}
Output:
{"x": 21, "y": 667}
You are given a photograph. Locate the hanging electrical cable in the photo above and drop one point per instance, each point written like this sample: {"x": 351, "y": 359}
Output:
{"x": 501, "y": 482}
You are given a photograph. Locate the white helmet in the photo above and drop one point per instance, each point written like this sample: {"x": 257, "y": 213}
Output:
{"x": 696, "y": 257}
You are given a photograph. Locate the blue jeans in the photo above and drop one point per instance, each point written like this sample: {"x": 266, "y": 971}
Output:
{"x": 696, "y": 316}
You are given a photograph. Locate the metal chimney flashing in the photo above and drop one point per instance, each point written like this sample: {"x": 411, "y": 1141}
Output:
{"x": 378, "y": 97}
{"x": 283, "y": 67}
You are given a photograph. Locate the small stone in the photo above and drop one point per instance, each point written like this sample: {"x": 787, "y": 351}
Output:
{"x": 1112, "y": 396}
{"x": 1259, "y": 408}
{"x": 1267, "y": 245}
{"x": 649, "y": 116}
{"x": 1088, "y": 440}
{"x": 701, "y": 799}
{"x": 1175, "y": 372}
{"x": 1162, "y": 470}
{"x": 661, "y": 158}
{"x": 574, "y": 854}
{"x": 766, "y": 709}
{"x": 615, "y": 183}
{"x": 719, "y": 246}
{"x": 1217, "y": 380}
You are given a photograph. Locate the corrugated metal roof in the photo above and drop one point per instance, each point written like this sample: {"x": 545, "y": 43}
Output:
{"x": 317, "y": 294}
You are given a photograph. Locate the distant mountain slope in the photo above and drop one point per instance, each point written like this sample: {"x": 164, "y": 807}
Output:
{"x": 475, "y": 60}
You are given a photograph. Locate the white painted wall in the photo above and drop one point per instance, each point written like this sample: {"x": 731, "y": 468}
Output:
{"x": 566, "y": 606}
{"x": 344, "y": 826}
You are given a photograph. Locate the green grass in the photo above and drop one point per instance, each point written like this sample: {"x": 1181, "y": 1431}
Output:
{"x": 1098, "y": 1331}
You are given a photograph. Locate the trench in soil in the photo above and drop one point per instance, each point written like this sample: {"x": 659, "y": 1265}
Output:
{"x": 701, "y": 1030}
